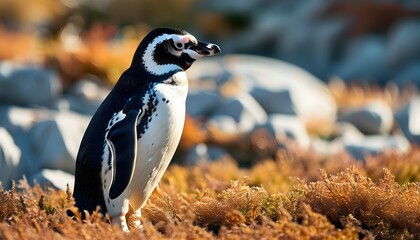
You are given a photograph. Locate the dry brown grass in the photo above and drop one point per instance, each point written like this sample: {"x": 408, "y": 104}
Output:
{"x": 356, "y": 95}
{"x": 287, "y": 198}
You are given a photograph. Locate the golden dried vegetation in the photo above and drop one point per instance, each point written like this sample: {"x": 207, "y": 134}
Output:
{"x": 286, "y": 198}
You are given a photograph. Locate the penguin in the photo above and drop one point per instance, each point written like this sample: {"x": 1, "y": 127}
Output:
{"x": 134, "y": 133}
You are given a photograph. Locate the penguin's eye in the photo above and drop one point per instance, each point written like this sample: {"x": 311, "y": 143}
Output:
{"x": 179, "y": 45}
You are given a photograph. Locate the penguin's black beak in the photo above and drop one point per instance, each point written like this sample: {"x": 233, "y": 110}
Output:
{"x": 205, "y": 49}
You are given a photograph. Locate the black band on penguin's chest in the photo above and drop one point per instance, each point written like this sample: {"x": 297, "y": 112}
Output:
{"x": 149, "y": 102}
{"x": 147, "y": 116}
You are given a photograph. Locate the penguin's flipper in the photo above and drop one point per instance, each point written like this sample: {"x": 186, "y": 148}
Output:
{"x": 122, "y": 140}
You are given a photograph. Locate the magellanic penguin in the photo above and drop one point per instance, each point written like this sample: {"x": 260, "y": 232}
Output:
{"x": 133, "y": 135}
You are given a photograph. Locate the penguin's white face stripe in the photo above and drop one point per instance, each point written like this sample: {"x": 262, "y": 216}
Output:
{"x": 158, "y": 69}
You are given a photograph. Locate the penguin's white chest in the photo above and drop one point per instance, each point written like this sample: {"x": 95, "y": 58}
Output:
{"x": 159, "y": 130}
{"x": 156, "y": 147}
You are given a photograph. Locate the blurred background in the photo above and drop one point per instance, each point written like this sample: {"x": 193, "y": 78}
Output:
{"x": 333, "y": 76}
{"x": 363, "y": 40}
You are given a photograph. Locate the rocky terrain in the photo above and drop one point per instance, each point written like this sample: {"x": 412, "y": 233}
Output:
{"x": 41, "y": 125}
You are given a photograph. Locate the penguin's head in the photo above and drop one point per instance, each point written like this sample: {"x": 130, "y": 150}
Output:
{"x": 167, "y": 49}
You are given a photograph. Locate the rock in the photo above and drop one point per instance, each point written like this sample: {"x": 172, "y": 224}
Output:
{"x": 84, "y": 97}
{"x": 207, "y": 74}
{"x": 346, "y": 132}
{"x": 216, "y": 153}
{"x": 229, "y": 6}
{"x": 70, "y": 103}
{"x": 12, "y": 117}
{"x": 90, "y": 90}
{"x": 196, "y": 154}
{"x": 373, "y": 118}
{"x": 311, "y": 97}
{"x": 275, "y": 101}
{"x": 244, "y": 110}
{"x": 16, "y": 155}
{"x": 28, "y": 85}
{"x": 56, "y": 141}
{"x": 373, "y": 145}
{"x": 10, "y": 157}
{"x": 404, "y": 41}
{"x": 56, "y": 178}
{"x": 408, "y": 118}
{"x": 364, "y": 60}
{"x": 311, "y": 45}
{"x": 201, "y": 103}
{"x": 20, "y": 118}
{"x": 327, "y": 36}
{"x": 224, "y": 123}
{"x": 202, "y": 152}
{"x": 349, "y": 132}
{"x": 285, "y": 127}
{"x": 326, "y": 148}
{"x": 409, "y": 75}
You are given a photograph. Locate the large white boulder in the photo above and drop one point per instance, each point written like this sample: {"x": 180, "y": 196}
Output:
{"x": 56, "y": 141}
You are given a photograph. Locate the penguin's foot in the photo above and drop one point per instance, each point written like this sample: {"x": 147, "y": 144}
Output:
{"x": 133, "y": 219}
{"x": 136, "y": 220}
{"x": 120, "y": 221}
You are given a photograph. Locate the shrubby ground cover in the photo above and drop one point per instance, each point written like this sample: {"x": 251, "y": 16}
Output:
{"x": 298, "y": 195}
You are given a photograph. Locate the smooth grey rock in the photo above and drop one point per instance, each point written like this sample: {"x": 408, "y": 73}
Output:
{"x": 55, "y": 178}
{"x": 408, "y": 119}
{"x": 21, "y": 118}
{"x": 409, "y": 75}
{"x": 326, "y": 148}
{"x": 244, "y": 110}
{"x": 285, "y": 127}
{"x": 311, "y": 45}
{"x": 196, "y": 154}
{"x": 201, "y": 103}
{"x": 70, "y": 103}
{"x": 28, "y": 85}
{"x": 228, "y": 6}
{"x": 311, "y": 97}
{"x": 271, "y": 23}
{"x": 84, "y": 97}
{"x": 56, "y": 141}
{"x": 10, "y": 157}
{"x": 373, "y": 118}
{"x": 373, "y": 145}
{"x": 275, "y": 101}
{"x": 278, "y": 86}
{"x": 17, "y": 121}
{"x": 12, "y": 117}
{"x": 327, "y": 36}
{"x": 202, "y": 153}
{"x": 225, "y": 123}
{"x": 216, "y": 153}
{"x": 348, "y": 131}
{"x": 403, "y": 43}
{"x": 207, "y": 74}
{"x": 90, "y": 90}
{"x": 364, "y": 60}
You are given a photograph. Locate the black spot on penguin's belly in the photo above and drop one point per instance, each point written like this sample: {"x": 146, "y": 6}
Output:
{"x": 147, "y": 116}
